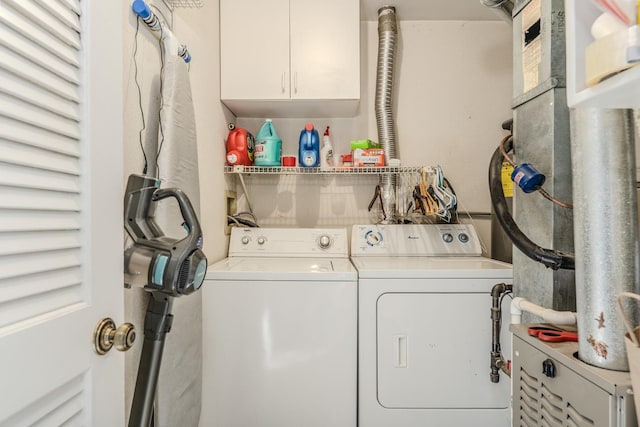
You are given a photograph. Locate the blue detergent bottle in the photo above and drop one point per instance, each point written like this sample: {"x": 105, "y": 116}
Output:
{"x": 309, "y": 149}
{"x": 268, "y": 146}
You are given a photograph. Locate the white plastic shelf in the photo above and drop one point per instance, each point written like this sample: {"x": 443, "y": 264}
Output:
{"x": 619, "y": 91}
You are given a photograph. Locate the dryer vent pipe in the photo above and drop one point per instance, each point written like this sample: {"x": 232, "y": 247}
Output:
{"x": 387, "y": 31}
{"x": 504, "y": 6}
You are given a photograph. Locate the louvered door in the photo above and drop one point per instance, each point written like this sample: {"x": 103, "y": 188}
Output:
{"x": 60, "y": 210}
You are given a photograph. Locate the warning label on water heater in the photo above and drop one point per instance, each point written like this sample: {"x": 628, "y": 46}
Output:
{"x": 507, "y": 184}
{"x": 531, "y": 45}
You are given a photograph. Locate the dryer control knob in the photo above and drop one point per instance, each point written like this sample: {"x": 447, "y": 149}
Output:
{"x": 447, "y": 237}
{"x": 261, "y": 240}
{"x": 245, "y": 240}
{"x": 324, "y": 241}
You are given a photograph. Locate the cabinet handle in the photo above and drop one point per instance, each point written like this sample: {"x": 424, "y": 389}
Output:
{"x": 295, "y": 82}
{"x": 284, "y": 75}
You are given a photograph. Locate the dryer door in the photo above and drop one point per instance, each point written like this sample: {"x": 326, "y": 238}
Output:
{"x": 434, "y": 352}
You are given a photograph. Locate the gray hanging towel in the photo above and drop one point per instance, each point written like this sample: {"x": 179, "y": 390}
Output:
{"x": 179, "y": 392}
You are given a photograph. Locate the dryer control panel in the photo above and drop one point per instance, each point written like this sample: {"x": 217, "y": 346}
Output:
{"x": 289, "y": 242}
{"x": 415, "y": 240}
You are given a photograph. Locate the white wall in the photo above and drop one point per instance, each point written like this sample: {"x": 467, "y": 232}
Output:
{"x": 452, "y": 92}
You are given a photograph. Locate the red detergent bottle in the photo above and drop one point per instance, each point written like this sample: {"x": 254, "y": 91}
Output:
{"x": 240, "y": 145}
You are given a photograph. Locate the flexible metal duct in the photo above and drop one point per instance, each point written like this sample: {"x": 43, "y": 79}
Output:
{"x": 387, "y": 31}
{"x": 605, "y": 230}
{"x": 504, "y": 6}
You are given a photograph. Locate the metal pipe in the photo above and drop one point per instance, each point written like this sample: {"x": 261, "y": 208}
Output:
{"x": 504, "y": 6}
{"x": 605, "y": 229}
{"x": 387, "y": 31}
{"x": 497, "y": 361}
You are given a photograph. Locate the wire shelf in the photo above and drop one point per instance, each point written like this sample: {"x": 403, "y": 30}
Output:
{"x": 297, "y": 170}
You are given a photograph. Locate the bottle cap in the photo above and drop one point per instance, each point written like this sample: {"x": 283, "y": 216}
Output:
{"x": 309, "y": 126}
{"x": 326, "y": 131}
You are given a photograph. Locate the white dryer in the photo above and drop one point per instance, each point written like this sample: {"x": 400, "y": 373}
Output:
{"x": 425, "y": 328}
{"x": 280, "y": 331}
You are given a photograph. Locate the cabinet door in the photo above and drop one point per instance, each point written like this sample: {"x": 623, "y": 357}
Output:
{"x": 254, "y": 49}
{"x": 325, "y": 49}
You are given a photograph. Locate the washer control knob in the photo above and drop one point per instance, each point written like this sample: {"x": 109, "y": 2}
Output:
{"x": 261, "y": 240}
{"x": 324, "y": 241}
{"x": 245, "y": 240}
{"x": 447, "y": 237}
{"x": 463, "y": 237}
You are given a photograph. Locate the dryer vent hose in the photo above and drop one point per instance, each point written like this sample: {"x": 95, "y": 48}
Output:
{"x": 387, "y": 31}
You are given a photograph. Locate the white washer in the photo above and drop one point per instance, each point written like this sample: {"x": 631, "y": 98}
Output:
{"x": 425, "y": 328}
{"x": 280, "y": 331}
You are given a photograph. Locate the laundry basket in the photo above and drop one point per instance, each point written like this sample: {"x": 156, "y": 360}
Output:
{"x": 632, "y": 342}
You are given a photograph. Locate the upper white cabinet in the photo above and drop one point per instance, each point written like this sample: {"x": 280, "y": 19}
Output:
{"x": 290, "y": 58}
{"x": 621, "y": 90}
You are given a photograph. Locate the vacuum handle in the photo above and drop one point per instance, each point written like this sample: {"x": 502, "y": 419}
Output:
{"x": 186, "y": 209}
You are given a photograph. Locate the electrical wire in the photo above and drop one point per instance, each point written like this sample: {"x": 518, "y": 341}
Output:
{"x": 554, "y": 200}
{"x": 239, "y": 214}
{"x": 238, "y": 219}
{"x": 239, "y": 222}
{"x": 135, "y": 79}
{"x": 160, "y": 123}
{"x": 541, "y": 190}
{"x": 229, "y": 217}
{"x": 504, "y": 152}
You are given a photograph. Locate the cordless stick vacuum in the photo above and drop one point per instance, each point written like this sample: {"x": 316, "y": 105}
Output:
{"x": 165, "y": 267}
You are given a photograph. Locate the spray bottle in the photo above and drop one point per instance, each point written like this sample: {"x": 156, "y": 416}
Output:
{"x": 326, "y": 154}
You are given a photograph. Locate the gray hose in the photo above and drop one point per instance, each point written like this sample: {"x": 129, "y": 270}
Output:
{"x": 387, "y": 31}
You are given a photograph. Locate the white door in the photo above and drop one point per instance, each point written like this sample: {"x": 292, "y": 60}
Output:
{"x": 60, "y": 211}
{"x": 325, "y": 49}
{"x": 254, "y": 49}
{"x": 420, "y": 333}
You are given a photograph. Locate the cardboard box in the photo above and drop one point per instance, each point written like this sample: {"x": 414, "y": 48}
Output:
{"x": 368, "y": 157}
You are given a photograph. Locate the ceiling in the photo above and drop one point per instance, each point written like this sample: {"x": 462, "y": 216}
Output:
{"x": 431, "y": 10}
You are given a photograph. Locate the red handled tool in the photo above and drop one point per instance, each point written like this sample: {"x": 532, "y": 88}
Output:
{"x": 547, "y": 334}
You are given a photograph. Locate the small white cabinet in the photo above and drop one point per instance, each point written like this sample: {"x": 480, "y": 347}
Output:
{"x": 288, "y": 58}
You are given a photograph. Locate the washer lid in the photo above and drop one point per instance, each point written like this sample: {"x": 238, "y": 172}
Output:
{"x": 431, "y": 267}
{"x": 269, "y": 269}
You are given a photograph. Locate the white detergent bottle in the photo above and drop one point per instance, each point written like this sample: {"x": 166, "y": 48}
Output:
{"x": 326, "y": 154}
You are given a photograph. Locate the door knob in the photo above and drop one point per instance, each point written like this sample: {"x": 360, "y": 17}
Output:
{"x": 106, "y": 335}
